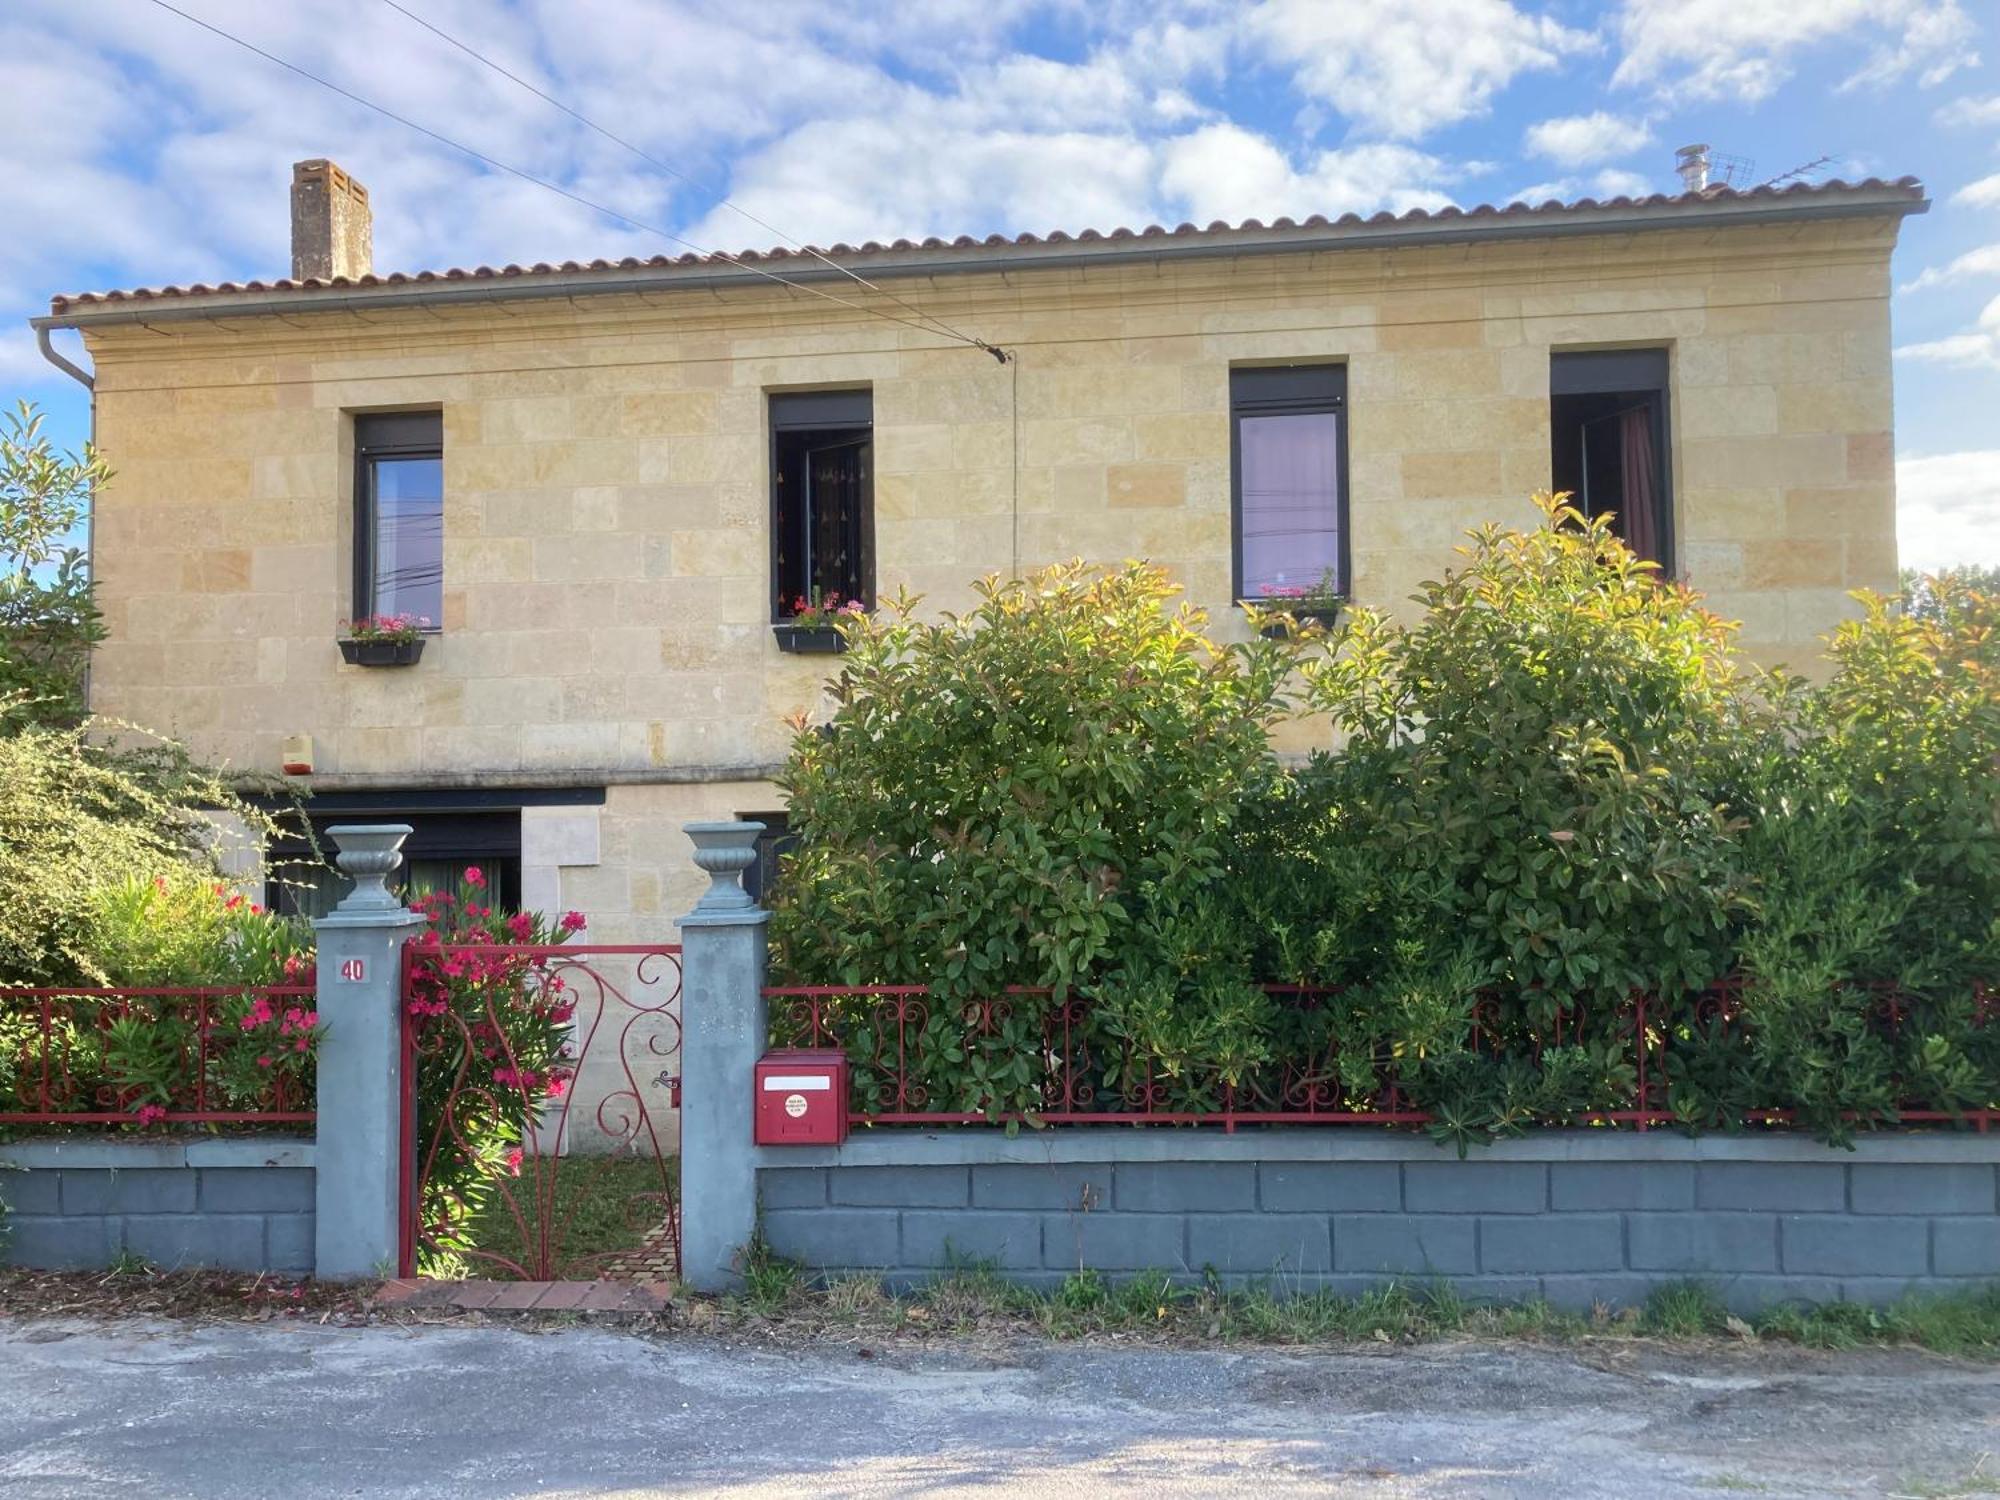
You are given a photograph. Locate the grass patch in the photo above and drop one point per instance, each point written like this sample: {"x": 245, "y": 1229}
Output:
{"x": 1684, "y": 1309}
{"x": 973, "y": 1297}
{"x": 596, "y": 1207}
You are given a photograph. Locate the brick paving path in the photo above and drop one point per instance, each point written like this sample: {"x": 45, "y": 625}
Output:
{"x": 656, "y": 1260}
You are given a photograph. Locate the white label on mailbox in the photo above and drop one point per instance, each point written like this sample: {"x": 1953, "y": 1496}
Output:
{"x": 795, "y": 1105}
{"x": 783, "y": 1083}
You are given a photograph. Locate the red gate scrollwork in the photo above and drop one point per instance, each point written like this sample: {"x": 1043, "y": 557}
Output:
{"x": 540, "y": 1082}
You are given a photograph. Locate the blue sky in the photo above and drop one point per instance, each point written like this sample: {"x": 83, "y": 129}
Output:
{"x": 146, "y": 150}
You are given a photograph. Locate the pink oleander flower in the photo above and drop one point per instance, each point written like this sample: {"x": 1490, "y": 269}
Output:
{"x": 522, "y": 926}
{"x": 514, "y": 1162}
{"x": 152, "y": 1114}
{"x": 474, "y": 876}
{"x": 573, "y": 921}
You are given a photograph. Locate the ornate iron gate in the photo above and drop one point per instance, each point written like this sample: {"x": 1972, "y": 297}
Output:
{"x": 540, "y": 1124}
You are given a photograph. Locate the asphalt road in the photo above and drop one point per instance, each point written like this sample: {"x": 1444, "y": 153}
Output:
{"x": 262, "y": 1411}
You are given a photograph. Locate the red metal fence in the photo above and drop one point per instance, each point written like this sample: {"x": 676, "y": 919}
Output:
{"x": 71, "y": 1056}
{"x": 539, "y": 1085}
{"x": 904, "y": 1045}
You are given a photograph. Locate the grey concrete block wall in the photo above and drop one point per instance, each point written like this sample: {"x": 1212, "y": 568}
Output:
{"x": 1578, "y": 1217}
{"x": 243, "y": 1205}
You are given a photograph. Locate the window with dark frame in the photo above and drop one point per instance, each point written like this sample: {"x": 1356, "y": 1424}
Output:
{"x": 1610, "y": 443}
{"x": 399, "y": 515}
{"x": 773, "y": 844}
{"x": 436, "y": 855}
{"x": 822, "y": 500}
{"x": 1288, "y": 480}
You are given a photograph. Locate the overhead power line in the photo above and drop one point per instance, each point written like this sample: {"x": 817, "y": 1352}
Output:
{"x": 577, "y": 198}
{"x": 673, "y": 171}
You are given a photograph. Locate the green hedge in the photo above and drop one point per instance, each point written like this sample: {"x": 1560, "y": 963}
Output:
{"x": 1550, "y": 786}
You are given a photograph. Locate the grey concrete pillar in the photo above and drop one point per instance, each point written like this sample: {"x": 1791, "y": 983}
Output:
{"x": 723, "y": 1034}
{"x": 358, "y": 1209}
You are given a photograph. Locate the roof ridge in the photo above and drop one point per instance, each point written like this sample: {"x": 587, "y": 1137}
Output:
{"x": 1910, "y": 186}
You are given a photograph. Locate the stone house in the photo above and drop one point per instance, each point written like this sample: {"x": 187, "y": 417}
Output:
{"x": 606, "y": 485}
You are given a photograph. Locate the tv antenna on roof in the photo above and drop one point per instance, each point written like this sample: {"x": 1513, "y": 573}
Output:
{"x": 1702, "y": 169}
{"x": 1814, "y": 168}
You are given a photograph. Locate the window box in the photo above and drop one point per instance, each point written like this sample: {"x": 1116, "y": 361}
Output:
{"x": 1324, "y": 614}
{"x": 381, "y": 653}
{"x": 810, "y": 640}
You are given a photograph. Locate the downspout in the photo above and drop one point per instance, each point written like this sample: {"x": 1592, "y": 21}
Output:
{"x": 83, "y": 378}
{"x": 75, "y": 372}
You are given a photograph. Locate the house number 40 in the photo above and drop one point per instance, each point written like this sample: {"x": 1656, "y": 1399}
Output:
{"x": 354, "y": 970}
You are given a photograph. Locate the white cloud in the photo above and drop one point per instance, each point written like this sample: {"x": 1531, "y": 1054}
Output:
{"x": 1227, "y": 172}
{"x": 1977, "y": 349}
{"x": 1971, "y": 111}
{"x": 1406, "y": 67}
{"x": 1583, "y": 140}
{"x": 1744, "y": 49}
{"x": 1610, "y": 183}
{"x": 1984, "y": 261}
{"x": 1985, "y": 193}
{"x": 1948, "y": 509}
{"x": 1935, "y": 43}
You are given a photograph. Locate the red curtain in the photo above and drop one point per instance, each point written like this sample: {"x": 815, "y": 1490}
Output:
{"x": 1640, "y": 482}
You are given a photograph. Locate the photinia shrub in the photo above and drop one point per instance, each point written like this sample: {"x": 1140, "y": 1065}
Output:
{"x": 1007, "y": 798}
{"x": 1563, "y": 830}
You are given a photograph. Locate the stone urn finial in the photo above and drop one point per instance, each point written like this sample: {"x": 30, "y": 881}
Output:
{"x": 725, "y": 851}
{"x": 368, "y": 853}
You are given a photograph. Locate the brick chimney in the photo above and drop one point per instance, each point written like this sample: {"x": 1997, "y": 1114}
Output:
{"x": 333, "y": 233}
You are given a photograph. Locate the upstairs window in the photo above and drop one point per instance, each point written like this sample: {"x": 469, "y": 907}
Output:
{"x": 399, "y": 515}
{"x": 1609, "y": 437}
{"x": 1288, "y": 480}
{"x": 822, "y": 500}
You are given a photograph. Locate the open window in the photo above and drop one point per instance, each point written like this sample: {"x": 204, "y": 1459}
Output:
{"x": 1609, "y": 443}
{"x": 1288, "y": 483}
{"x": 399, "y": 515}
{"x": 822, "y": 501}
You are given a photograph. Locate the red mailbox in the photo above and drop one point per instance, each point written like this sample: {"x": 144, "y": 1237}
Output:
{"x": 801, "y": 1097}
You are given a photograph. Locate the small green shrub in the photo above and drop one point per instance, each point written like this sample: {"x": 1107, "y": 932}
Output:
{"x": 1546, "y": 745}
{"x": 48, "y": 617}
{"x": 1034, "y": 794}
{"x": 1872, "y": 838}
{"x": 80, "y": 815}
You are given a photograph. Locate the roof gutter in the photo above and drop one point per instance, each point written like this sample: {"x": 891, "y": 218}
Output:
{"x": 76, "y": 372}
{"x": 1065, "y": 254}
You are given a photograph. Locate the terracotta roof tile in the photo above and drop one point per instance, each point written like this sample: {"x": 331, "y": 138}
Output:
{"x": 1484, "y": 212}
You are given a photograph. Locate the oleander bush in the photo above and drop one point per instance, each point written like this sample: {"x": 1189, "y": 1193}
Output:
{"x": 1551, "y": 788}
{"x": 148, "y": 1055}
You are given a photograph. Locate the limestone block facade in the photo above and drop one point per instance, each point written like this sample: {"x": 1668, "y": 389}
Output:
{"x": 606, "y": 460}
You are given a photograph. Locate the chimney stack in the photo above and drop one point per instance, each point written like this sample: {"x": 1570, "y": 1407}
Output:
{"x": 1692, "y": 163}
{"x": 333, "y": 233}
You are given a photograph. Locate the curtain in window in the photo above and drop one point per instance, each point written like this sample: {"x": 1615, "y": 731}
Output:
{"x": 834, "y": 519}
{"x": 1639, "y": 476}
{"x": 1291, "y": 501}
